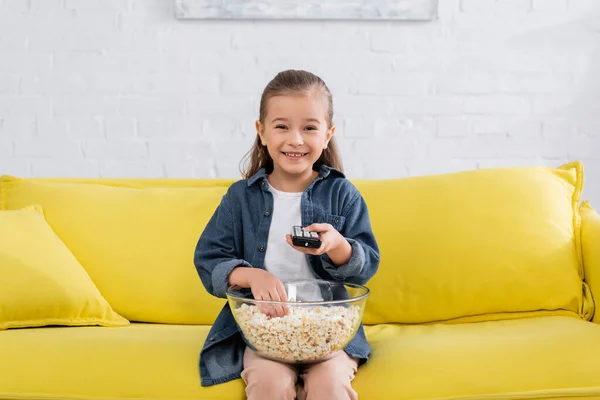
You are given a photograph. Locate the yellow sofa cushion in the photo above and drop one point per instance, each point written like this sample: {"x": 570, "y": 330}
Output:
{"x": 590, "y": 238}
{"x": 477, "y": 245}
{"x": 550, "y": 357}
{"x": 136, "y": 242}
{"x": 41, "y": 282}
{"x": 141, "y": 361}
{"x": 530, "y": 358}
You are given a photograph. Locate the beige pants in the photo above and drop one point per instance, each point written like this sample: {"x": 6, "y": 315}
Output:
{"x": 272, "y": 380}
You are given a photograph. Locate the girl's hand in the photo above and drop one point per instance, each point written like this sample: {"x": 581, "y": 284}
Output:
{"x": 266, "y": 286}
{"x": 332, "y": 243}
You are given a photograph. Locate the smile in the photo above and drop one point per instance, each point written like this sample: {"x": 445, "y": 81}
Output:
{"x": 296, "y": 155}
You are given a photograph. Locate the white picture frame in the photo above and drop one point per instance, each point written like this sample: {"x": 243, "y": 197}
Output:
{"x": 413, "y": 10}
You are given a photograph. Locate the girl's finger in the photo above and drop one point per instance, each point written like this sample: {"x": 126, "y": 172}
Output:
{"x": 278, "y": 308}
{"x": 324, "y": 246}
{"x": 270, "y": 308}
{"x": 318, "y": 228}
{"x": 263, "y": 295}
{"x": 283, "y": 297}
{"x": 315, "y": 252}
{"x": 263, "y": 308}
{"x": 281, "y": 292}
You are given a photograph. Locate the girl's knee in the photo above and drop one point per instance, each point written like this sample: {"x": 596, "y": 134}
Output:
{"x": 268, "y": 388}
{"x": 328, "y": 382}
{"x": 328, "y": 389}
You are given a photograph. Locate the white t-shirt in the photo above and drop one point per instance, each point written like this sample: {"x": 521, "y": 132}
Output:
{"x": 281, "y": 259}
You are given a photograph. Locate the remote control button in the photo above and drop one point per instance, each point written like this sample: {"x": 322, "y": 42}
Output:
{"x": 297, "y": 232}
{"x": 314, "y": 235}
{"x": 306, "y": 234}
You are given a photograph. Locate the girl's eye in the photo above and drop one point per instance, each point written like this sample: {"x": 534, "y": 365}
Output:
{"x": 310, "y": 128}
{"x": 280, "y": 127}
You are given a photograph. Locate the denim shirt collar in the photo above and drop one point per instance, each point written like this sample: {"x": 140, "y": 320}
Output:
{"x": 324, "y": 172}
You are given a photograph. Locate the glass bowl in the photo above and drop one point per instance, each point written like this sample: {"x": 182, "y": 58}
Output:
{"x": 319, "y": 318}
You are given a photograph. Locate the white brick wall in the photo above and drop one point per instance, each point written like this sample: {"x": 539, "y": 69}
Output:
{"x": 122, "y": 88}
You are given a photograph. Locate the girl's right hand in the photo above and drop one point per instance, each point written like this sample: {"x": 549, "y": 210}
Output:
{"x": 266, "y": 286}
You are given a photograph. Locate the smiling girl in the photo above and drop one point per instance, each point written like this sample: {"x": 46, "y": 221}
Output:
{"x": 294, "y": 178}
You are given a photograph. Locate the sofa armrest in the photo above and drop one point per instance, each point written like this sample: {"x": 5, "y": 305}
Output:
{"x": 590, "y": 242}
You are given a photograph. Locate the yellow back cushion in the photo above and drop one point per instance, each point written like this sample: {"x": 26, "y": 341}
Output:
{"x": 136, "y": 242}
{"x": 477, "y": 245}
{"x": 41, "y": 283}
{"x": 469, "y": 246}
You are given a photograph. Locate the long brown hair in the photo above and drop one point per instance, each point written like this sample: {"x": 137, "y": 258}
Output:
{"x": 286, "y": 83}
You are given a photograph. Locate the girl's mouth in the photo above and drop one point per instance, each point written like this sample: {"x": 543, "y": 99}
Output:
{"x": 294, "y": 156}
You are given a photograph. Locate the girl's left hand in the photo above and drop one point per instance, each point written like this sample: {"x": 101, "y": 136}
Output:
{"x": 331, "y": 239}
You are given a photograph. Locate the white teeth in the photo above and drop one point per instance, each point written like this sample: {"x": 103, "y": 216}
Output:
{"x": 294, "y": 154}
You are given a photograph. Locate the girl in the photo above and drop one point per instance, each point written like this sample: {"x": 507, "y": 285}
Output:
{"x": 294, "y": 178}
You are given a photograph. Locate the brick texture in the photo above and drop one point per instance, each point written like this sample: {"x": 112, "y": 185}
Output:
{"x": 122, "y": 88}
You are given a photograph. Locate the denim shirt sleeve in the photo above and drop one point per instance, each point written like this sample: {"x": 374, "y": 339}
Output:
{"x": 216, "y": 253}
{"x": 364, "y": 262}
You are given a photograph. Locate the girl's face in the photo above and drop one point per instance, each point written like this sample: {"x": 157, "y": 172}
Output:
{"x": 295, "y": 132}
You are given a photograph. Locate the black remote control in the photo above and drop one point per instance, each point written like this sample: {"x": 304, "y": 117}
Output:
{"x": 302, "y": 238}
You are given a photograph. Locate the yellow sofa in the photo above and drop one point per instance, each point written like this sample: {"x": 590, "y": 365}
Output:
{"x": 485, "y": 289}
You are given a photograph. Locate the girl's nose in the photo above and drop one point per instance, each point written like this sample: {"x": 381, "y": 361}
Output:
{"x": 295, "y": 138}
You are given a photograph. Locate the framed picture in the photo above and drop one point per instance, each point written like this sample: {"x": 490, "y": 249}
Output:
{"x": 420, "y": 10}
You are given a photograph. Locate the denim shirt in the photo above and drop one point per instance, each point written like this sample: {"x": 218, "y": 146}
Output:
{"x": 237, "y": 234}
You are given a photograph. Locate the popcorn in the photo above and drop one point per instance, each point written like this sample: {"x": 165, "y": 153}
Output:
{"x": 305, "y": 334}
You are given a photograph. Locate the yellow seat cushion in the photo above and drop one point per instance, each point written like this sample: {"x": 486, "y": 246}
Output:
{"x": 135, "y": 241}
{"x": 534, "y": 358}
{"x": 141, "y": 361}
{"x": 41, "y": 283}
{"x": 590, "y": 238}
{"x": 477, "y": 245}
{"x": 530, "y": 358}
